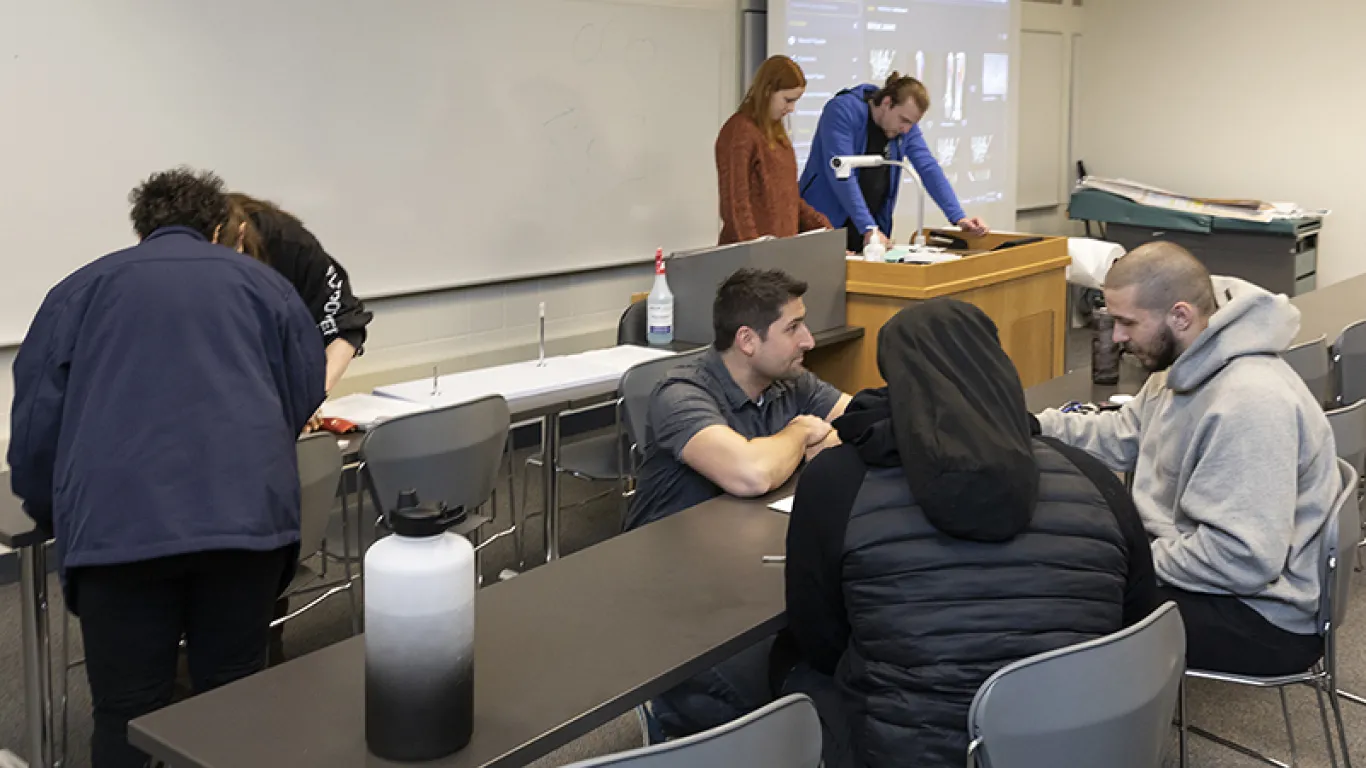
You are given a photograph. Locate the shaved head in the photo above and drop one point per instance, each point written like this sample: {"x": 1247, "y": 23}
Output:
{"x": 1163, "y": 275}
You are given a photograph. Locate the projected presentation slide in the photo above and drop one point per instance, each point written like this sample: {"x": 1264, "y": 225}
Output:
{"x": 960, "y": 50}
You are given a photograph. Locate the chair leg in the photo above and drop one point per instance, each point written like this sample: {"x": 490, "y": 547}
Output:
{"x": 1289, "y": 728}
{"x": 1352, "y": 697}
{"x": 476, "y": 536}
{"x": 1337, "y": 715}
{"x": 1323, "y": 718}
{"x": 527, "y": 514}
{"x": 1236, "y": 747}
{"x": 346, "y": 559}
{"x": 1185, "y": 723}
{"x": 519, "y": 525}
{"x": 65, "y": 672}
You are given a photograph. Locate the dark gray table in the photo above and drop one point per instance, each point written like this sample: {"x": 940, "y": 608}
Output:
{"x": 1326, "y": 311}
{"x": 560, "y": 650}
{"x": 1077, "y": 386}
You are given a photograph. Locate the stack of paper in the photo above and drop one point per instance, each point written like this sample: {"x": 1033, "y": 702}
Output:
{"x": 1143, "y": 194}
{"x": 621, "y": 358}
{"x": 366, "y": 411}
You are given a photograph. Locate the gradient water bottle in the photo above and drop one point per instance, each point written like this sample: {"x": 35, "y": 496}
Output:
{"x": 659, "y": 307}
{"x": 419, "y": 635}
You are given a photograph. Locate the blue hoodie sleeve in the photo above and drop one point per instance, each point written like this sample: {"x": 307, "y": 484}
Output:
{"x": 40, "y": 376}
{"x": 931, "y": 175}
{"x": 838, "y": 126}
{"x": 305, "y": 379}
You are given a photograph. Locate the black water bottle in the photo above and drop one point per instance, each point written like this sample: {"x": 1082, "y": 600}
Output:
{"x": 1104, "y": 350}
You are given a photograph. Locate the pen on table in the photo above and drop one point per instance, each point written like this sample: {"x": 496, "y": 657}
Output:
{"x": 775, "y": 558}
{"x": 540, "y": 361}
{"x": 436, "y": 386}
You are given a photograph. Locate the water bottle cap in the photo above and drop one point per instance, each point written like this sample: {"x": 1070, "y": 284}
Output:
{"x": 417, "y": 520}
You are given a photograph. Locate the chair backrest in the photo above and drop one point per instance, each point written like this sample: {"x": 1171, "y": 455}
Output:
{"x": 784, "y": 734}
{"x": 1107, "y": 702}
{"x": 1339, "y": 552}
{"x": 450, "y": 454}
{"x": 1349, "y": 362}
{"x": 1349, "y": 432}
{"x": 1311, "y": 361}
{"x": 320, "y": 472}
{"x": 631, "y": 327}
{"x": 637, "y": 385}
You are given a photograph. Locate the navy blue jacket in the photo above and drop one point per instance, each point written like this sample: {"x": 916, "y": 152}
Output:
{"x": 157, "y": 398}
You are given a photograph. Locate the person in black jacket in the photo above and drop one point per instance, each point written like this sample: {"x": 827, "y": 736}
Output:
{"x": 942, "y": 541}
{"x": 273, "y": 236}
{"x": 157, "y": 398}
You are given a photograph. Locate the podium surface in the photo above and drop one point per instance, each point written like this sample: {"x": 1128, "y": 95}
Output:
{"x": 1022, "y": 288}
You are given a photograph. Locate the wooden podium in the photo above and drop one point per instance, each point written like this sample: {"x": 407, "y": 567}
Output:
{"x": 1022, "y": 288}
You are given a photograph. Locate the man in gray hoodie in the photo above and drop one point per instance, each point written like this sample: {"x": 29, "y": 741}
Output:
{"x": 1233, "y": 460}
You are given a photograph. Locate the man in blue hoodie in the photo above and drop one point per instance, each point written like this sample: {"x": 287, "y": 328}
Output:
{"x": 157, "y": 398}
{"x": 868, "y": 120}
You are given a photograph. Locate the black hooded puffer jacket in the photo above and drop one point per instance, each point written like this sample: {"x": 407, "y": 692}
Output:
{"x": 969, "y": 544}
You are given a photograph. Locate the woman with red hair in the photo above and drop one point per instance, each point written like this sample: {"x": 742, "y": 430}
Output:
{"x": 756, "y": 165}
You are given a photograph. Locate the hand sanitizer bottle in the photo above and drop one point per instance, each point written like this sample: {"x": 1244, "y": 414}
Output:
{"x": 874, "y": 250}
{"x": 659, "y": 308}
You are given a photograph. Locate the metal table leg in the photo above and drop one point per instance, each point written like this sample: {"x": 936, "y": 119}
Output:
{"x": 37, "y": 654}
{"x": 551, "y": 483}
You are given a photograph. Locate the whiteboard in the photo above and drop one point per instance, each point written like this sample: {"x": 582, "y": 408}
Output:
{"x": 1043, "y": 77}
{"x": 428, "y": 143}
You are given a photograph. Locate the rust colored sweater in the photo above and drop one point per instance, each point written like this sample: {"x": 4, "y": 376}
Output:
{"x": 759, "y": 193}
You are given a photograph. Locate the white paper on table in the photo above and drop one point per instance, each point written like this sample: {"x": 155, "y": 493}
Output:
{"x": 525, "y": 379}
{"x": 622, "y": 357}
{"x": 513, "y": 382}
{"x": 783, "y": 505}
{"x": 368, "y": 410}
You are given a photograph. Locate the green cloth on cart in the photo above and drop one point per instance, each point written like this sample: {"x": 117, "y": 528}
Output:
{"x": 1095, "y": 205}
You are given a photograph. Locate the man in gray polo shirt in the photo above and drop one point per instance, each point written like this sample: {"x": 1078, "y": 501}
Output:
{"x": 739, "y": 420}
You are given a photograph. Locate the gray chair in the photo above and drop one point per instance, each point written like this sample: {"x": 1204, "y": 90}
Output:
{"x": 1339, "y": 534}
{"x": 320, "y": 472}
{"x": 1106, "y": 703}
{"x": 598, "y": 458}
{"x": 1349, "y": 363}
{"x": 1349, "y": 432}
{"x": 615, "y": 457}
{"x": 784, "y": 734}
{"x": 631, "y": 327}
{"x": 593, "y": 459}
{"x": 637, "y": 387}
{"x": 1310, "y": 360}
{"x": 450, "y": 455}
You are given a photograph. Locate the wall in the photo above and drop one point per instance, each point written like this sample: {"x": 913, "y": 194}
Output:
{"x": 468, "y": 328}
{"x": 1049, "y": 115}
{"x": 1234, "y": 98}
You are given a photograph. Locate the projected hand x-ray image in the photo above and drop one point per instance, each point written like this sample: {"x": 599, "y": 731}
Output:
{"x": 960, "y": 50}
